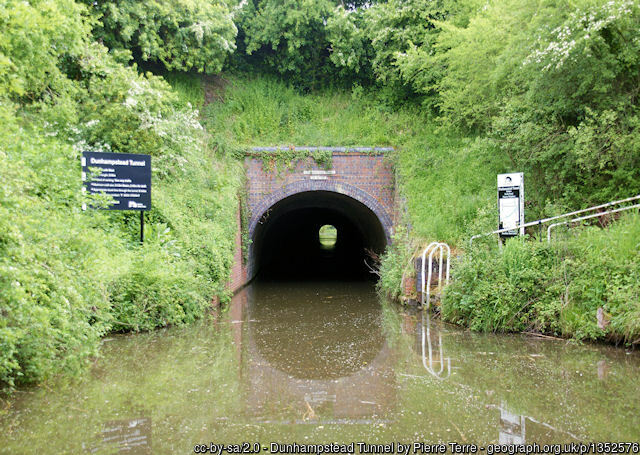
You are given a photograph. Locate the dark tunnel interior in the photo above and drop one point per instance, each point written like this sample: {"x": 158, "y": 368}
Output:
{"x": 286, "y": 243}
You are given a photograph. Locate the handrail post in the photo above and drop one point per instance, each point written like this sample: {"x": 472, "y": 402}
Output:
{"x": 425, "y": 287}
{"x": 429, "y": 278}
{"x": 422, "y": 277}
{"x": 448, "y": 262}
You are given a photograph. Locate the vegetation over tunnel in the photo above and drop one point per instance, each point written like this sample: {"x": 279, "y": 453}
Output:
{"x": 286, "y": 241}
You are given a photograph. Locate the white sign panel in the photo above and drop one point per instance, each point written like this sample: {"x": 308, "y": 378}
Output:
{"x": 511, "y": 203}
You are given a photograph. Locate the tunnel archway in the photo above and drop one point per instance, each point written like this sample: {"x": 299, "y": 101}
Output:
{"x": 284, "y": 232}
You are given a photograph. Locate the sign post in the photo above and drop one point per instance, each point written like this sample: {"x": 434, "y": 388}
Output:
{"x": 511, "y": 203}
{"x": 126, "y": 177}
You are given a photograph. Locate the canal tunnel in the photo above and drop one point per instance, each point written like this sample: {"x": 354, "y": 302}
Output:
{"x": 288, "y": 243}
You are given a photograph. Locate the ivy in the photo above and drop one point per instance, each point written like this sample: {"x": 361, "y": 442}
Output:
{"x": 281, "y": 160}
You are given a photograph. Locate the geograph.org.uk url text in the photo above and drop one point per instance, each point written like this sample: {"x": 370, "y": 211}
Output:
{"x": 414, "y": 448}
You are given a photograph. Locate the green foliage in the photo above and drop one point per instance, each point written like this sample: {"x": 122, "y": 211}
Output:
{"x": 554, "y": 87}
{"x": 580, "y": 114}
{"x": 182, "y": 35}
{"x": 501, "y": 291}
{"x": 548, "y": 88}
{"x": 395, "y": 265}
{"x": 286, "y": 159}
{"x": 449, "y": 184}
{"x": 157, "y": 290}
{"x": 67, "y": 277}
{"x": 350, "y": 47}
{"x": 53, "y": 310}
{"x": 603, "y": 269}
{"x": 553, "y": 288}
{"x": 38, "y": 40}
{"x": 448, "y": 181}
{"x": 396, "y": 27}
{"x": 263, "y": 111}
{"x": 189, "y": 86}
{"x": 289, "y": 36}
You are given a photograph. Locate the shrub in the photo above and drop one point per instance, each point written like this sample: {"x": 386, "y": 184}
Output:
{"x": 182, "y": 35}
{"x": 155, "y": 291}
{"x": 553, "y": 288}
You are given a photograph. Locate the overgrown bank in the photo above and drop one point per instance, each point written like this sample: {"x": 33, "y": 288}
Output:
{"x": 68, "y": 277}
{"x": 584, "y": 285}
{"x": 448, "y": 182}
{"x": 462, "y": 92}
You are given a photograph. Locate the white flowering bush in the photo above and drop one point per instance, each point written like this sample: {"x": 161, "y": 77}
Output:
{"x": 350, "y": 47}
{"x": 587, "y": 33}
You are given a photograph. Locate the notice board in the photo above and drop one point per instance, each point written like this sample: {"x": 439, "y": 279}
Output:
{"x": 126, "y": 177}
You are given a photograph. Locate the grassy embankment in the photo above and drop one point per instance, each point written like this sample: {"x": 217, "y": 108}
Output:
{"x": 448, "y": 182}
{"x": 553, "y": 288}
{"x": 69, "y": 277}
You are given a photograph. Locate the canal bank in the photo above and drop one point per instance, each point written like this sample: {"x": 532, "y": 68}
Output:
{"x": 584, "y": 284}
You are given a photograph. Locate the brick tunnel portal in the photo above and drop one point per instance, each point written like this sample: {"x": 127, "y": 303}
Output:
{"x": 286, "y": 243}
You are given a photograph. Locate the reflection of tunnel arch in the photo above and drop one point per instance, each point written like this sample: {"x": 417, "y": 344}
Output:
{"x": 319, "y": 331}
{"x": 281, "y": 385}
{"x": 283, "y": 228}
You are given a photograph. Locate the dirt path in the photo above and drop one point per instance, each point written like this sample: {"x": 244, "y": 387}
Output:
{"x": 214, "y": 87}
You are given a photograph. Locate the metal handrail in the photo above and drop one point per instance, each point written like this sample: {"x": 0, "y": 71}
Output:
{"x": 432, "y": 248}
{"x": 588, "y": 217}
{"x": 564, "y": 215}
{"x": 422, "y": 274}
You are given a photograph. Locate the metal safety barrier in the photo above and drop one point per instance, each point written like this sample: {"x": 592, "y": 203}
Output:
{"x": 595, "y": 215}
{"x": 431, "y": 249}
{"x": 542, "y": 221}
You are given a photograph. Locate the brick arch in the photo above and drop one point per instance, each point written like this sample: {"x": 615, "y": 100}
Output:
{"x": 303, "y": 186}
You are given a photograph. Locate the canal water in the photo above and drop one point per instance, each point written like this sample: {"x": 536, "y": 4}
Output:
{"x": 327, "y": 362}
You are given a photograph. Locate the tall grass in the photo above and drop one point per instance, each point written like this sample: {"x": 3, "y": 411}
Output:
{"x": 554, "y": 288}
{"x": 188, "y": 86}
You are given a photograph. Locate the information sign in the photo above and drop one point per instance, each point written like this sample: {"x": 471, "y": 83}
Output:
{"x": 511, "y": 203}
{"x": 126, "y": 177}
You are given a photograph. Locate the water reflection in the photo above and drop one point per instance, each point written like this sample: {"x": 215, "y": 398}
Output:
{"x": 318, "y": 356}
{"x": 326, "y": 362}
{"x": 512, "y": 428}
{"x": 427, "y": 354}
{"x": 131, "y": 437}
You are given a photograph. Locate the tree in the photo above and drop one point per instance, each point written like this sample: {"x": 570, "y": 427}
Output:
{"x": 290, "y": 37}
{"x": 180, "y": 34}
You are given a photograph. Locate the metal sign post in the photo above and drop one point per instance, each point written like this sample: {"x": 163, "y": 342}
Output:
{"x": 126, "y": 177}
{"x": 511, "y": 204}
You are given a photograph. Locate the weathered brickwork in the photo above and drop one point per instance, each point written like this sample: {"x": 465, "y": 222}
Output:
{"x": 239, "y": 269}
{"x": 364, "y": 176}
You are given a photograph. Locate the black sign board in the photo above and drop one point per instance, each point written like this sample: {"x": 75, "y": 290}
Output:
{"x": 126, "y": 177}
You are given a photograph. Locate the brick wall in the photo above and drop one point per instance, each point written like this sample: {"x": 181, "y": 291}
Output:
{"x": 239, "y": 270}
{"x": 365, "y": 176}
